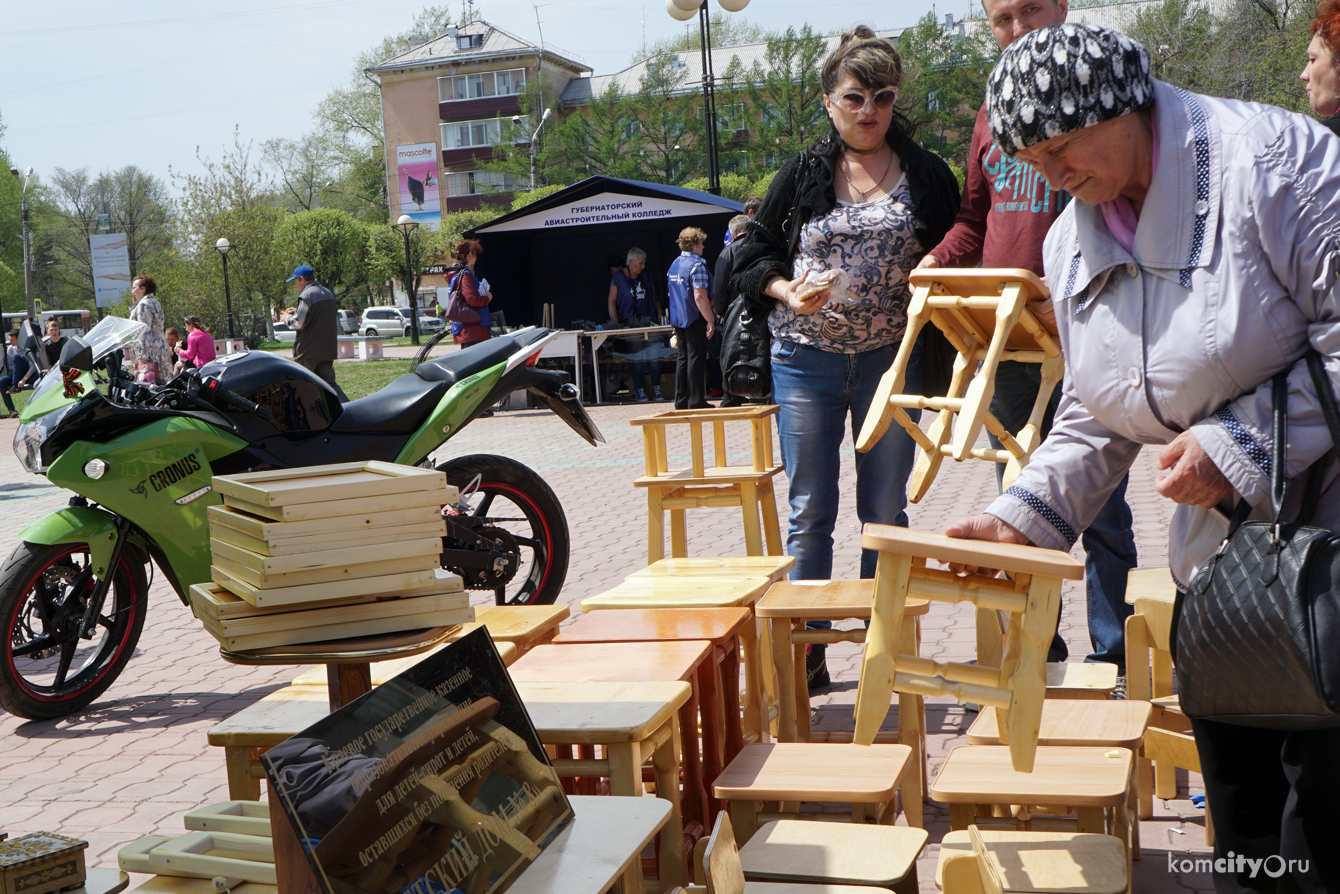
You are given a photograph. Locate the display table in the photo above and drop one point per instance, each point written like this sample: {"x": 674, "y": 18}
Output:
{"x": 598, "y": 849}
{"x": 598, "y": 337}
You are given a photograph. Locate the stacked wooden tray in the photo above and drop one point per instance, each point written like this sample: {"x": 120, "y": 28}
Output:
{"x": 328, "y": 552}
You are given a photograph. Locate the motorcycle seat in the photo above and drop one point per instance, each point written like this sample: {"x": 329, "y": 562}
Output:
{"x": 398, "y": 408}
{"x": 467, "y": 361}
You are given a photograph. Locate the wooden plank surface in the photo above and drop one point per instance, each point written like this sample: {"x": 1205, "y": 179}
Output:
{"x": 322, "y": 633}
{"x": 339, "y": 481}
{"x": 353, "y": 613}
{"x": 772, "y": 567}
{"x": 1080, "y": 677}
{"x": 273, "y": 719}
{"x": 605, "y": 836}
{"x": 611, "y": 662}
{"x": 682, "y": 592}
{"x": 1070, "y": 776}
{"x": 520, "y": 624}
{"x": 836, "y": 853}
{"x": 1150, "y": 583}
{"x": 265, "y": 529}
{"x": 288, "y": 546}
{"x": 385, "y": 670}
{"x": 1076, "y": 722}
{"x": 333, "y": 574}
{"x": 832, "y": 600}
{"x": 791, "y": 771}
{"x": 717, "y": 625}
{"x": 399, "y": 584}
{"x": 327, "y": 559}
{"x": 1010, "y": 557}
{"x": 1061, "y": 862}
{"x": 432, "y": 499}
{"x": 600, "y": 712}
{"x": 712, "y": 475}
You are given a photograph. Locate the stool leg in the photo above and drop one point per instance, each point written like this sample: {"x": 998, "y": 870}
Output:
{"x": 801, "y": 687}
{"x": 730, "y": 698}
{"x": 241, "y": 785}
{"x": 786, "y": 679}
{"x": 346, "y": 682}
{"x": 711, "y": 732}
{"x": 753, "y": 534}
{"x": 1093, "y": 819}
{"x": 695, "y": 797}
{"x": 655, "y": 526}
{"x": 666, "y": 763}
{"x": 961, "y": 816}
{"x": 912, "y": 734}
{"x": 744, "y": 818}
{"x": 679, "y": 542}
{"x": 755, "y": 705}
{"x": 873, "y": 692}
{"x": 772, "y": 533}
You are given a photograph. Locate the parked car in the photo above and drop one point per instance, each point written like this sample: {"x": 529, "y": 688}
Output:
{"x": 348, "y": 323}
{"x": 390, "y": 322}
{"x": 285, "y": 332}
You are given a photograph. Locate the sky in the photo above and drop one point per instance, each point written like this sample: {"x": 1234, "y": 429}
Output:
{"x": 149, "y": 82}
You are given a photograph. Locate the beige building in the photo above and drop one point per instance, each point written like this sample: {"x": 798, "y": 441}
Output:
{"x": 460, "y": 91}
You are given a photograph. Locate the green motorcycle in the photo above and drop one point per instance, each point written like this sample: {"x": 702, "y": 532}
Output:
{"x": 74, "y": 592}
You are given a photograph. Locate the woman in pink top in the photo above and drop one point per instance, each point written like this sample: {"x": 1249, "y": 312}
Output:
{"x": 199, "y": 348}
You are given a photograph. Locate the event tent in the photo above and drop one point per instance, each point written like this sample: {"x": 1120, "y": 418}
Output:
{"x": 554, "y": 250}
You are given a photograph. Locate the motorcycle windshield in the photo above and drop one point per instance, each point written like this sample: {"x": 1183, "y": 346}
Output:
{"x": 110, "y": 334}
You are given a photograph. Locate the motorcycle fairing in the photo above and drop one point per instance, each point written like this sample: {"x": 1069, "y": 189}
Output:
{"x": 79, "y": 524}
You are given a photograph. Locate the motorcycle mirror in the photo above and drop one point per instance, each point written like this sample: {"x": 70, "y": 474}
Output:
{"x": 77, "y": 354}
{"x": 30, "y": 336}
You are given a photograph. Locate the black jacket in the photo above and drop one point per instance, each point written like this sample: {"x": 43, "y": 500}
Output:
{"x": 804, "y": 188}
{"x": 721, "y": 278}
{"x": 1333, "y": 123}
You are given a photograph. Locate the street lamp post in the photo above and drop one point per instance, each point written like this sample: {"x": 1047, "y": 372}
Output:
{"x": 543, "y": 118}
{"x": 682, "y": 11}
{"x": 27, "y": 243}
{"x": 406, "y": 225}
{"x": 223, "y": 246}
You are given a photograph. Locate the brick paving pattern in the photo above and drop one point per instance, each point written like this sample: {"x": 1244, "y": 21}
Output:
{"x": 137, "y": 759}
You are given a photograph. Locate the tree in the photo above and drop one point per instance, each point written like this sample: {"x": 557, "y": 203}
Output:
{"x": 135, "y": 202}
{"x": 944, "y": 84}
{"x": 785, "y": 97}
{"x": 601, "y": 138}
{"x": 306, "y": 168}
{"x": 727, "y": 31}
{"x": 329, "y": 241}
{"x": 670, "y": 123}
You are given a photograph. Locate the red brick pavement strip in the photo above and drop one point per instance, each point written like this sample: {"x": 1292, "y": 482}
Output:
{"x": 133, "y": 762}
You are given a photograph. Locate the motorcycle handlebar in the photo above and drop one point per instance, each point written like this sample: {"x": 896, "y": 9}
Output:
{"x": 238, "y": 400}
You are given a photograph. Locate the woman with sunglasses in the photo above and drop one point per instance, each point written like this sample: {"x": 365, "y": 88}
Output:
{"x": 866, "y": 202}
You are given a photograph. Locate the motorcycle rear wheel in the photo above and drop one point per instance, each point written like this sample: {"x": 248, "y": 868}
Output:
{"x": 517, "y": 500}
{"x": 46, "y": 669}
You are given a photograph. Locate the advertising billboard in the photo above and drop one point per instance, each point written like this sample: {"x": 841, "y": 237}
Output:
{"x": 111, "y": 267}
{"x": 416, "y": 174}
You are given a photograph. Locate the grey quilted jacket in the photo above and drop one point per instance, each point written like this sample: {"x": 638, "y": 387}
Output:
{"x": 1233, "y": 275}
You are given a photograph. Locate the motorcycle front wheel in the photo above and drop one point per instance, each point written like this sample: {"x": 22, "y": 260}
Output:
{"x": 47, "y": 669}
{"x": 511, "y": 510}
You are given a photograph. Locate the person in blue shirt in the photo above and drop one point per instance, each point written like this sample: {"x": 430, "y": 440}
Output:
{"x": 633, "y": 302}
{"x": 690, "y": 286}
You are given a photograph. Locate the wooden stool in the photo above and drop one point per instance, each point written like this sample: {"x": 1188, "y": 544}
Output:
{"x": 710, "y": 591}
{"x": 991, "y": 861}
{"x": 835, "y": 853}
{"x": 727, "y": 629}
{"x": 524, "y": 626}
{"x": 1065, "y": 679}
{"x": 1070, "y": 722}
{"x": 348, "y": 661}
{"x": 787, "y": 606}
{"x": 865, "y": 776}
{"x": 1094, "y": 784}
{"x": 635, "y": 724}
{"x": 1168, "y": 744}
{"x": 774, "y": 568}
{"x": 719, "y": 485}
{"x": 984, "y": 315}
{"x": 645, "y": 663}
{"x": 725, "y": 873}
{"x": 249, "y": 733}
{"x": 385, "y": 670}
{"x": 1018, "y": 685}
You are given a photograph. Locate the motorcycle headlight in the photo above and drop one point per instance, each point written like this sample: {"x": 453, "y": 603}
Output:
{"x": 30, "y": 437}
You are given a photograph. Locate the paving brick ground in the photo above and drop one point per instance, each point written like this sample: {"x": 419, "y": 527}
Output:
{"x": 133, "y": 762}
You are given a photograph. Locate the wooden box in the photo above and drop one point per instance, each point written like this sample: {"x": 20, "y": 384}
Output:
{"x": 357, "y": 522}
{"x": 279, "y": 493}
{"x": 41, "y": 862}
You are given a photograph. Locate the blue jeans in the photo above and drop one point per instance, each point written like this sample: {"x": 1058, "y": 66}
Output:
{"x": 1109, "y": 542}
{"x": 816, "y": 391}
{"x": 18, "y": 369}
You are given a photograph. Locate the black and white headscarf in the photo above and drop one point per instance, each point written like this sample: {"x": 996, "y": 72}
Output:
{"x": 1058, "y": 79}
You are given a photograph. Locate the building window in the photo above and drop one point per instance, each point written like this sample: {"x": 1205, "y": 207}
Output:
{"x": 471, "y": 183}
{"x": 730, "y": 118}
{"x": 481, "y": 132}
{"x": 475, "y": 86}
{"x": 469, "y": 41}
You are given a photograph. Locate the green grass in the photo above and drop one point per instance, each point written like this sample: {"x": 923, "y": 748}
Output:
{"x": 359, "y": 378}
{"x": 19, "y": 399}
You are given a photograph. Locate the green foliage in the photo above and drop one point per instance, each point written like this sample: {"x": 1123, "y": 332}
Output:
{"x": 761, "y": 185}
{"x": 329, "y": 241}
{"x": 786, "y": 111}
{"x": 945, "y": 80}
{"x": 601, "y": 138}
{"x": 669, "y": 129}
{"x": 522, "y": 199}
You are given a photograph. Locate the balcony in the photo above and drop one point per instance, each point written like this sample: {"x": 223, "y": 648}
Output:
{"x": 482, "y": 107}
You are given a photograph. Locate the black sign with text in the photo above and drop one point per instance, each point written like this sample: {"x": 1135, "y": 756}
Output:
{"x": 434, "y": 782}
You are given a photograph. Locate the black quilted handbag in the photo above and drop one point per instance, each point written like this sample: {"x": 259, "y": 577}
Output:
{"x": 1257, "y": 633}
{"x": 746, "y": 361}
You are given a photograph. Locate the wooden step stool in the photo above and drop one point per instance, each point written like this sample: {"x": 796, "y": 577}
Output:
{"x": 725, "y": 873}
{"x": 867, "y": 777}
{"x": 1094, "y": 784}
{"x": 835, "y": 853}
{"x": 1017, "y": 687}
{"x": 787, "y": 607}
{"x": 984, "y": 315}
{"x": 718, "y": 485}
{"x": 991, "y": 861}
{"x": 725, "y": 628}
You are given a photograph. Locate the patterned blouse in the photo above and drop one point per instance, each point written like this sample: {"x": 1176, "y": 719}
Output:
{"x": 152, "y": 345}
{"x": 874, "y": 247}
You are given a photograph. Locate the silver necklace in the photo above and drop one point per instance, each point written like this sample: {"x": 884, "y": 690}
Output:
{"x": 865, "y": 192}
